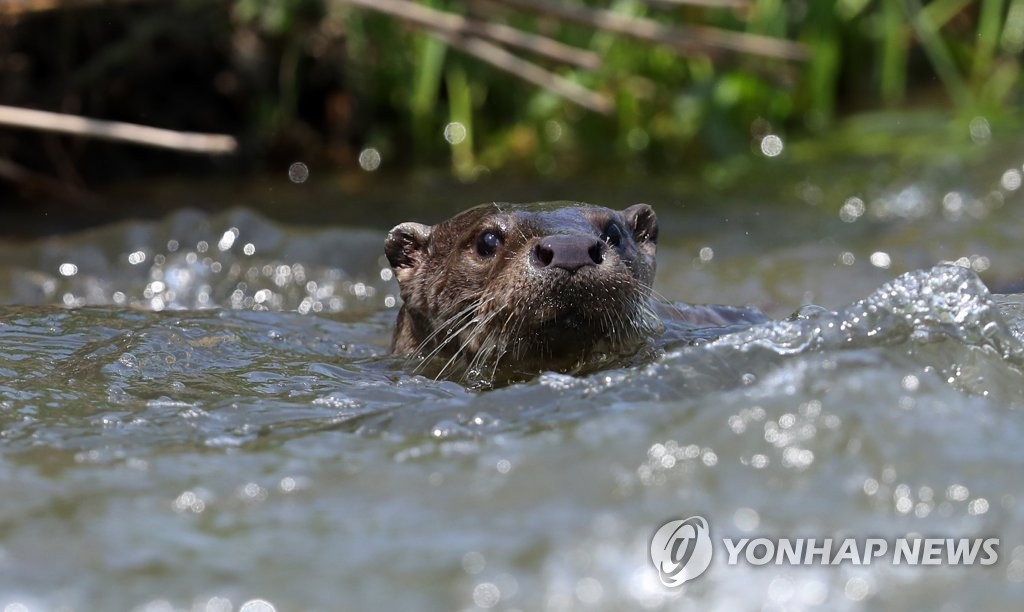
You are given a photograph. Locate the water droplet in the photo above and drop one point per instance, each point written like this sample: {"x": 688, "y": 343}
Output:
{"x": 455, "y": 133}
{"x": 871, "y": 486}
{"x": 771, "y": 145}
{"x": 852, "y": 209}
{"x": 369, "y": 159}
{"x": 227, "y": 239}
{"x": 746, "y": 519}
{"x": 257, "y": 605}
{"x": 1011, "y": 180}
{"x": 298, "y": 172}
{"x": 856, "y": 589}
{"x": 486, "y": 595}
{"x": 473, "y": 562}
{"x": 589, "y": 590}
{"x": 981, "y": 131}
{"x": 978, "y": 506}
{"x": 553, "y": 130}
{"x": 637, "y": 139}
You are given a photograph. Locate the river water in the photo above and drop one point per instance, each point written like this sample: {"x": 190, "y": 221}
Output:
{"x": 199, "y": 413}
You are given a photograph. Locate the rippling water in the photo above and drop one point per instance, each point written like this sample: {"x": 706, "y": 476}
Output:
{"x": 199, "y": 413}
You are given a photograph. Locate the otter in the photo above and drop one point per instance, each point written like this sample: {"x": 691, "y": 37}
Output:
{"x": 501, "y": 292}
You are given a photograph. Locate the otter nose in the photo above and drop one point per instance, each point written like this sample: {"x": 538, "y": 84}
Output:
{"x": 567, "y": 251}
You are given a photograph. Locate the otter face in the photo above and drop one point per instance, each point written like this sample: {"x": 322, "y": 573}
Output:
{"x": 503, "y": 291}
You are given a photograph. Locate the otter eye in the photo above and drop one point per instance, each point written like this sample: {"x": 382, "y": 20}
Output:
{"x": 487, "y": 243}
{"x": 612, "y": 234}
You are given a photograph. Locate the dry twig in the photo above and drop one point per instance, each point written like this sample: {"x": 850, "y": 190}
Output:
{"x": 189, "y": 142}
{"x": 14, "y": 8}
{"x": 465, "y": 35}
{"x": 684, "y": 39}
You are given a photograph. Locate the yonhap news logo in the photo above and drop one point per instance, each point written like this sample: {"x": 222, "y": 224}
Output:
{"x": 681, "y": 551}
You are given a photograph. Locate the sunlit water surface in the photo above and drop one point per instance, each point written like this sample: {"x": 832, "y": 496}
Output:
{"x": 199, "y": 414}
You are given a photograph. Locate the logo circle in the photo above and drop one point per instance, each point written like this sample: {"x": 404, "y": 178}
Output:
{"x": 681, "y": 550}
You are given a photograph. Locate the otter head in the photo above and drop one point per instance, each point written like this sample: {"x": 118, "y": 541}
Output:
{"x": 501, "y": 292}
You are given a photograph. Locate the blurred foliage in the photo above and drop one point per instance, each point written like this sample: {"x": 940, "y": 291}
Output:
{"x": 672, "y": 111}
{"x": 325, "y": 80}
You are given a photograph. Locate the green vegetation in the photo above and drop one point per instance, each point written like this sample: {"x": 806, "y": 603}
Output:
{"x": 326, "y": 79}
{"x": 672, "y": 109}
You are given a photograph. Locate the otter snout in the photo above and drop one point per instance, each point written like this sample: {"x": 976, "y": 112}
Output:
{"x": 518, "y": 289}
{"x": 569, "y": 252}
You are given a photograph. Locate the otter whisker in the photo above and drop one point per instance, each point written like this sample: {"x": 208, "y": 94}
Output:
{"x": 447, "y": 324}
{"x": 517, "y": 336}
{"x": 454, "y": 335}
{"x": 656, "y": 294}
{"x": 447, "y": 340}
{"x": 484, "y": 355}
{"x": 499, "y": 348}
{"x": 487, "y": 346}
{"x": 464, "y": 340}
{"x": 481, "y": 322}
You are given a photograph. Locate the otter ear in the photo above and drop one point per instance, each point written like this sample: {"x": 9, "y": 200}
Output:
{"x": 643, "y": 223}
{"x": 405, "y": 247}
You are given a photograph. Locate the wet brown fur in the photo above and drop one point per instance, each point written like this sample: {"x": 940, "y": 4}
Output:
{"x": 500, "y": 318}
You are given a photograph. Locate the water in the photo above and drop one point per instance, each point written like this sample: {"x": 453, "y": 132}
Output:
{"x": 199, "y": 413}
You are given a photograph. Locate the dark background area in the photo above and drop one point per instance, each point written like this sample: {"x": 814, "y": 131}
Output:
{"x": 321, "y": 82}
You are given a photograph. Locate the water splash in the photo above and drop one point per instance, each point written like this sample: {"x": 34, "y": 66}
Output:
{"x": 947, "y": 301}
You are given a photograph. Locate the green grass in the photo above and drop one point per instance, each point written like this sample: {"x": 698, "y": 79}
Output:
{"x": 961, "y": 58}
